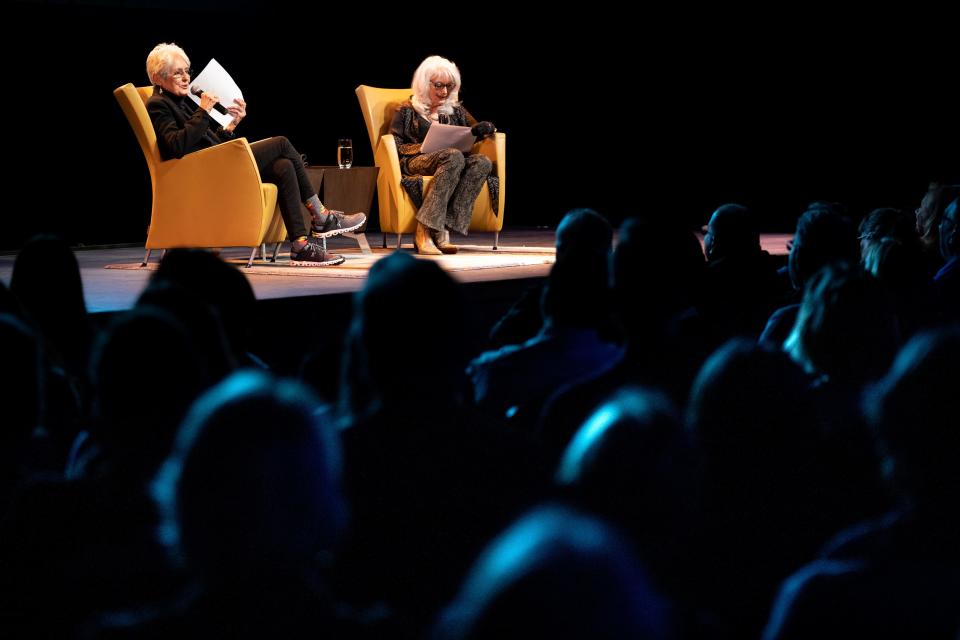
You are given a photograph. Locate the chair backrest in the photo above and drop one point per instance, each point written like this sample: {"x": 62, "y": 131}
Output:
{"x": 378, "y": 107}
{"x": 133, "y": 101}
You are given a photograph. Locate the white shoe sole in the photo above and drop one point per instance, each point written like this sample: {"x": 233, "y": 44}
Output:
{"x": 325, "y": 263}
{"x": 337, "y": 232}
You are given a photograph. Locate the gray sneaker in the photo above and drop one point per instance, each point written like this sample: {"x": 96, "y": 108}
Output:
{"x": 313, "y": 255}
{"x": 337, "y": 222}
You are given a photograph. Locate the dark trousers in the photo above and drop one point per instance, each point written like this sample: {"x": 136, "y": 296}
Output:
{"x": 281, "y": 164}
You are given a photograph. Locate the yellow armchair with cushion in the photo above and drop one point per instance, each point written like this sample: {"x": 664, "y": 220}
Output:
{"x": 397, "y": 210}
{"x": 209, "y": 198}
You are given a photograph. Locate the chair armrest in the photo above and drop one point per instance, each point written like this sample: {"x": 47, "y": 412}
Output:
{"x": 495, "y": 148}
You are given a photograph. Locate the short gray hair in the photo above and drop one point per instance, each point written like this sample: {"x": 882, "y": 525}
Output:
{"x": 160, "y": 60}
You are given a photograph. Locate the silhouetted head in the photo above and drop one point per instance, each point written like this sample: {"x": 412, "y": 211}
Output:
{"x": 626, "y": 459}
{"x": 731, "y": 231}
{"x": 46, "y": 281}
{"x": 823, "y": 235}
{"x": 656, "y": 271}
{"x": 846, "y": 327}
{"x": 886, "y": 223}
{"x": 949, "y": 234}
{"x": 583, "y": 232}
{"x": 931, "y": 209}
{"x": 899, "y": 267}
{"x": 746, "y": 399}
{"x": 555, "y": 573}
{"x": 910, "y": 409}
{"x": 576, "y": 294}
{"x": 219, "y": 284}
{"x": 199, "y": 318}
{"x": 407, "y": 337}
{"x": 145, "y": 372}
{"x": 253, "y": 483}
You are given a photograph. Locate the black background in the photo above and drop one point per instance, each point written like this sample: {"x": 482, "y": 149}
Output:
{"x": 663, "y": 114}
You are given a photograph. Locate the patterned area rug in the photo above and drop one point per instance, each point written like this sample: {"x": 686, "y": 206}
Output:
{"x": 357, "y": 264}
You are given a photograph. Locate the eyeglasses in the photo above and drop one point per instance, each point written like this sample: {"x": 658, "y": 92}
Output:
{"x": 182, "y": 73}
{"x": 449, "y": 86}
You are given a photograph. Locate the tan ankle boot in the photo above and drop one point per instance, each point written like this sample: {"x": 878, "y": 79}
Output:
{"x": 423, "y": 241}
{"x": 442, "y": 240}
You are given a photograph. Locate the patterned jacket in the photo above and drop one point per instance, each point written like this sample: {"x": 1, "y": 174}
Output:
{"x": 409, "y": 130}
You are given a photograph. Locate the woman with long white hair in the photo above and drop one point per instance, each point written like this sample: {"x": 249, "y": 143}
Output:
{"x": 457, "y": 177}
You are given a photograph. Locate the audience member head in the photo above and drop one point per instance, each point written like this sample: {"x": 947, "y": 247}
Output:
{"x": 219, "y": 284}
{"x": 46, "y": 281}
{"x": 583, "y": 233}
{"x": 731, "y": 231}
{"x": 656, "y": 272}
{"x": 886, "y": 223}
{"x": 931, "y": 209}
{"x": 253, "y": 482}
{"x": 949, "y": 235}
{"x": 748, "y": 399}
{"x": 824, "y": 235}
{"x": 910, "y": 409}
{"x": 404, "y": 300}
{"x": 145, "y": 374}
{"x": 628, "y": 463}
{"x": 899, "y": 267}
{"x": 846, "y": 328}
{"x": 199, "y": 318}
{"x": 575, "y": 296}
{"x": 555, "y": 573}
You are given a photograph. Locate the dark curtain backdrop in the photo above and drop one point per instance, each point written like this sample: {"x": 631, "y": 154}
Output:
{"x": 669, "y": 115}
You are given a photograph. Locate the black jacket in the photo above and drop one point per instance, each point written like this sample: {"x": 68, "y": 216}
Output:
{"x": 182, "y": 127}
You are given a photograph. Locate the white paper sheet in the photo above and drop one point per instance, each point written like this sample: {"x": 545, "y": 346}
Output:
{"x": 215, "y": 79}
{"x": 442, "y": 136}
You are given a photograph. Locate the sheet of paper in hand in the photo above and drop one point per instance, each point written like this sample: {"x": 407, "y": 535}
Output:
{"x": 215, "y": 79}
{"x": 443, "y": 136}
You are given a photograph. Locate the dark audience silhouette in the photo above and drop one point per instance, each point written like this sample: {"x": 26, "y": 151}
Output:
{"x": 556, "y": 573}
{"x": 897, "y": 576}
{"x": 634, "y": 459}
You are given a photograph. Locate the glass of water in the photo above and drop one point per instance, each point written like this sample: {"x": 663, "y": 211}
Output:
{"x": 345, "y": 153}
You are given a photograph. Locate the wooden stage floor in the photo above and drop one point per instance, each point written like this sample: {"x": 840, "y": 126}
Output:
{"x": 110, "y": 290}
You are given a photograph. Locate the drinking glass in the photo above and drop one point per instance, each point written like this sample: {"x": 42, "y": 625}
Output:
{"x": 345, "y": 153}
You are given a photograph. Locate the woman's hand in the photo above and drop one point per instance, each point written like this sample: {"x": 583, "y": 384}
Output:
{"x": 207, "y": 101}
{"x": 483, "y": 129}
{"x": 238, "y": 111}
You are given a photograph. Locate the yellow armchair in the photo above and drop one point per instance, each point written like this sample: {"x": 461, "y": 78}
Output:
{"x": 209, "y": 198}
{"x": 397, "y": 210}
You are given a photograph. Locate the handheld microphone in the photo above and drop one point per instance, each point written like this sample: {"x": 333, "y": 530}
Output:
{"x": 197, "y": 91}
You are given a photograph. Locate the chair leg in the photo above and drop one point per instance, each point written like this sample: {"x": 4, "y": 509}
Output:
{"x": 163, "y": 254}
{"x": 384, "y": 241}
{"x": 263, "y": 251}
{"x": 253, "y": 254}
{"x": 399, "y": 236}
{"x": 361, "y": 239}
{"x": 146, "y": 258}
{"x": 276, "y": 250}
{"x": 496, "y": 239}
